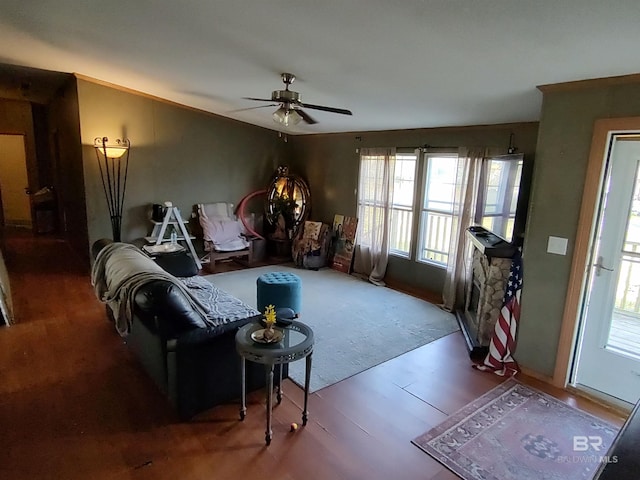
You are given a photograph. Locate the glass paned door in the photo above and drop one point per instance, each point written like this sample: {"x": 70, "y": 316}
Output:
{"x": 624, "y": 332}
{"x": 608, "y": 356}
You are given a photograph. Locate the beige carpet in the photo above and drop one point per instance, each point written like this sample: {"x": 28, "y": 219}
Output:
{"x": 356, "y": 324}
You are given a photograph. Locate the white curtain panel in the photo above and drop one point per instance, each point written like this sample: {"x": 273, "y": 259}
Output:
{"x": 466, "y": 193}
{"x": 375, "y": 197}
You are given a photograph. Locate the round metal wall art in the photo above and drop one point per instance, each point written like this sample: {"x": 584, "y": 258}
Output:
{"x": 287, "y": 195}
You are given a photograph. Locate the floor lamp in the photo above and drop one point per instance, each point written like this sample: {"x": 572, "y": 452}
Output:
{"x": 113, "y": 160}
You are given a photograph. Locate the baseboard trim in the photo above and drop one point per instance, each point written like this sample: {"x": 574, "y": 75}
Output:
{"x": 616, "y": 405}
{"x": 421, "y": 293}
{"x": 539, "y": 376}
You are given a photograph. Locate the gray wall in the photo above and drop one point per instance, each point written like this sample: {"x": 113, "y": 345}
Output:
{"x": 564, "y": 142}
{"x": 330, "y": 164}
{"x": 177, "y": 154}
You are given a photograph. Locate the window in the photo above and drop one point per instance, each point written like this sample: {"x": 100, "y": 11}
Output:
{"x": 401, "y": 222}
{"x": 498, "y": 196}
{"x": 436, "y": 218}
{"x": 433, "y": 204}
{"x": 402, "y": 204}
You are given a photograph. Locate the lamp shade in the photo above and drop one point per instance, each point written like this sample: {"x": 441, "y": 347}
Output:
{"x": 286, "y": 116}
{"x": 115, "y": 149}
{"x": 279, "y": 115}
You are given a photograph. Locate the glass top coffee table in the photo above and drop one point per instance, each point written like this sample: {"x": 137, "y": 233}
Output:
{"x": 296, "y": 343}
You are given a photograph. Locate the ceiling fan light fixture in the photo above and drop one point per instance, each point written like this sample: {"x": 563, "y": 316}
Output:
{"x": 290, "y": 110}
{"x": 279, "y": 115}
{"x": 294, "y": 117}
{"x": 286, "y": 116}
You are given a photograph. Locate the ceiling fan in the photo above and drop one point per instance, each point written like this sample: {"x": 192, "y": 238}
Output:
{"x": 290, "y": 106}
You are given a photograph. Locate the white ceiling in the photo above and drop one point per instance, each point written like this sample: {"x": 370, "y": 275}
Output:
{"x": 396, "y": 65}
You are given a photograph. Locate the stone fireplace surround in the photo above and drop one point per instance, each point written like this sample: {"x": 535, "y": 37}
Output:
{"x": 484, "y": 291}
{"x": 483, "y": 298}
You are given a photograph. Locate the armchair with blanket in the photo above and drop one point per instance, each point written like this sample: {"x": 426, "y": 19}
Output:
{"x": 224, "y": 235}
{"x": 182, "y": 328}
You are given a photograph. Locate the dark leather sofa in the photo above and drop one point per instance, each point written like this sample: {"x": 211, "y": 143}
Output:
{"x": 197, "y": 367}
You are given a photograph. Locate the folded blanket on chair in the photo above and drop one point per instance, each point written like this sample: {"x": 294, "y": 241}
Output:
{"x": 224, "y": 232}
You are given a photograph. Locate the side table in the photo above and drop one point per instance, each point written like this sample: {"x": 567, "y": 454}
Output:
{"x": 297, "y": 343}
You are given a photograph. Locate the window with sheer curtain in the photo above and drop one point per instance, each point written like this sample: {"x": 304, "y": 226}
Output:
{"x": 431, "y": 200}
{"x": 375, "y": 202}
{"x": 390, "y": 198}
{"x": 370, "y": 200}
{"x": 402, "y": 201}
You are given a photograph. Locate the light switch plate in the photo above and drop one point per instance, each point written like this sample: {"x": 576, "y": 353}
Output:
{"x": 557, "y": 245}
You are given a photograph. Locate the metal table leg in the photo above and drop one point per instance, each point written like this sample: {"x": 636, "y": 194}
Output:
{"x": 268, "y": 433}
{"x": 279, "y": 396}
{"x": 307, "y": 380}
{"x": 243, "y": 395}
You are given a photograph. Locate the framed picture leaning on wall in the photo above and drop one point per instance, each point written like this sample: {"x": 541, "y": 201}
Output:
{"x": 343, "y": 242}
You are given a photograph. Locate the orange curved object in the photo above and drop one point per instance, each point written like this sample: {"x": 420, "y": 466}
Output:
{"x": 240, "y": 210}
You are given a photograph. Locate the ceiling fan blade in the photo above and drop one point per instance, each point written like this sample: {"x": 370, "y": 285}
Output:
{"x": 343, "y": 111}
{"x": 306, "y": 117}
{"x": 259, "y": 99}
{"x": 253, "y": 108}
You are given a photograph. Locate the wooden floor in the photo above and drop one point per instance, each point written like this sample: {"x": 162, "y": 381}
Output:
{"x": 74, "y": 404}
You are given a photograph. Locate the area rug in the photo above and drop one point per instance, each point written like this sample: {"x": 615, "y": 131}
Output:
{"x": 356, "y": 325}
{"x": 516, "y": 432}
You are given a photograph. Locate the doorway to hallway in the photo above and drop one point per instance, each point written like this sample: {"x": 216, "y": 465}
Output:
{"x": 15, "y": 204}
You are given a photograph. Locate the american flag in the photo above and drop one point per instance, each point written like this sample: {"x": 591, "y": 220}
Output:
{"x": 503, "y": 343}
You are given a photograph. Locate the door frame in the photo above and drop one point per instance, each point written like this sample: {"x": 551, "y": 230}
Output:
{"x": 28, "y": 187}
{"x": 567, "y": 342}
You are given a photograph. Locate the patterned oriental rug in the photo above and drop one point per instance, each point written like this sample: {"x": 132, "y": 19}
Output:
{"x": 516, "y": 432}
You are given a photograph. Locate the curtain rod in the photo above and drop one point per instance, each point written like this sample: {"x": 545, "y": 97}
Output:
{"x": 426, "y": 146}
{"x": 510, "y": 150}
{"x": 423, "y": 147}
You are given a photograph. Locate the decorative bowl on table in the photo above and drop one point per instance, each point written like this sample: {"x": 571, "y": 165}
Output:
{"x": 262, "y": 336}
